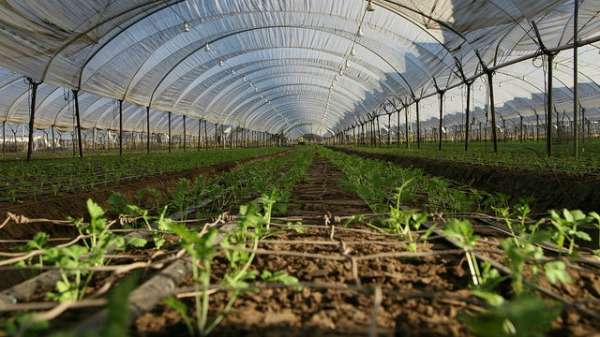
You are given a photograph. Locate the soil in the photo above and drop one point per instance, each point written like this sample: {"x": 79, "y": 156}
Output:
{"x": 73, "y": 204}
{"x": 351, "y": 287}
{"x": 424, "y": 295}
{"x": 550, "y": 190}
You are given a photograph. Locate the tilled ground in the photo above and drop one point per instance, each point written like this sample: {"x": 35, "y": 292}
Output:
{"x": 356, "y": 279}
{"x": 352, "y": 288}
{"x": 73, "y": 204}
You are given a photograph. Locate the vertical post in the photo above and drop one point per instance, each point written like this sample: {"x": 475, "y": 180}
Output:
{"x": 492, "y": 110}
{"x": 389, "y": 140}
{"x": 4, "y": 137}
{"x": 184, "y": 134}
{"x": 378, "y": 135}
{"x": 398, "y": 127}
{"x": 148, "y": 129}
{"x": 373, "y": 140}
{"x": 199, "y": 129}
{"x": 467, "y": 112}
{"x": 76, "y": 99}
{"x": 549, "y": 106}
{"x": 440, "y": 133}
{"x": 120, "y": 128}
{"x": 217, "y": 140}
{"x": 582, "y": 126}
{"x": 406, "y": 126}
{"x": 537, "y": 127}
{"x": 521, "y": 128}
{"x": 575, "y": 79}
{"x": 34, "y": 87}
{"x": 169, "y": 131}
{"x": 205, "y": 136}
{"x": 418, "y": 126}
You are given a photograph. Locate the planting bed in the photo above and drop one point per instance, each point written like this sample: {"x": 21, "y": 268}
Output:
{"x": 328, "y": 247}
{"x": 549, "y": 189}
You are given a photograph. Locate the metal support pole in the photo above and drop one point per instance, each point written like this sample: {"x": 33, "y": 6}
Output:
{"x": 582, "y": 126}
{"x": 537, "y": 127}
{"x": 492, "y": 109}
{"x": 147, "y": 129}
{"x": 418, "y": 126}
{"x": 406, "y": 126}
{"x": 575, "y": 79}
{"x": 4, "y": 137}
{"x": 389, "y": 140}
{"x": 184, "y": 134}
{"x": 76, "y": 99}
{"x": 217, "y": 140}
{"x": 467, "y": 112}
{"x": 120, "y": 128}
{"x": 34, "y": 87}
{"x": 521, "y": 128}
{"x": 549, "y": 101}
{"x": 169, "y": 130}
{"x": 440, "y": 133}
{"x": 378, "y": 134}
{"x": 398, "y": 127}
{"x": 199, "y": 129}
{"x": 205, "y": 136}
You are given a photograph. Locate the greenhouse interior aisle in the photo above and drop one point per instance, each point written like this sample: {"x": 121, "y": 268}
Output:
{"x": 300, "y": 167}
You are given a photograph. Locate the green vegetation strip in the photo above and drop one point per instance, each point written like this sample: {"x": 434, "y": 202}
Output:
{"x": 524, "y": 156}
{"x": 517, "y": 312}
{"x": 267, "y": 182}
{"x": 54, "y": 176}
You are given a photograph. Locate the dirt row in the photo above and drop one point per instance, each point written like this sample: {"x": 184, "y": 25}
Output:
{"x": 358, "y": 281}
{"x": 356, "y": 284}
{"x": 73, "y": 204}
{"x": 550, "y": 190}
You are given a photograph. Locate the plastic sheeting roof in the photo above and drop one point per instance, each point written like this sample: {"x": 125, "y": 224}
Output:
{"x": 294, "y": 66}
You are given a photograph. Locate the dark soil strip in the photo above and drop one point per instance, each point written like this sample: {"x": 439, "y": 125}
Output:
{"x": 550, "y": 190}
{"x": 321, "y": 194}
{"x": 73, "y": 204}
{"x": 419, "y": 293}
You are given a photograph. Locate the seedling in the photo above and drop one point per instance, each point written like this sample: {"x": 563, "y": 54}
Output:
{"x": 567, "y": 228}
{"x": 523, "y": 316}
{"x": 461, "y": 232}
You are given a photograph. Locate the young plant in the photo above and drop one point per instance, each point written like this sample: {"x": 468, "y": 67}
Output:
{"x": 201, "y": 249}
{"x": 567, "y": 228}
{"x": 527, "y": 252}
{"x": 75, "y": 261}
{"x": 38, "y": 242}
{"x": 462, "y": 233}
{"x": 522, "y": 316}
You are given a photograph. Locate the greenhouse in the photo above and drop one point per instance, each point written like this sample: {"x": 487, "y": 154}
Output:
{"x": 300, "y": 168}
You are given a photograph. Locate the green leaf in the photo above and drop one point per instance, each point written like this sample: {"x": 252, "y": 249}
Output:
{"x": 159, "y": 241}
{"x": 136, "y": 242}
{"x": 117, "y": 323}
{"x": 491, "y": 298}
{"x": 556, "y": 272}
{"x": 523, "y": 316}
{"x": 94, "y": 209}
{"x": 582, "y": 235}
